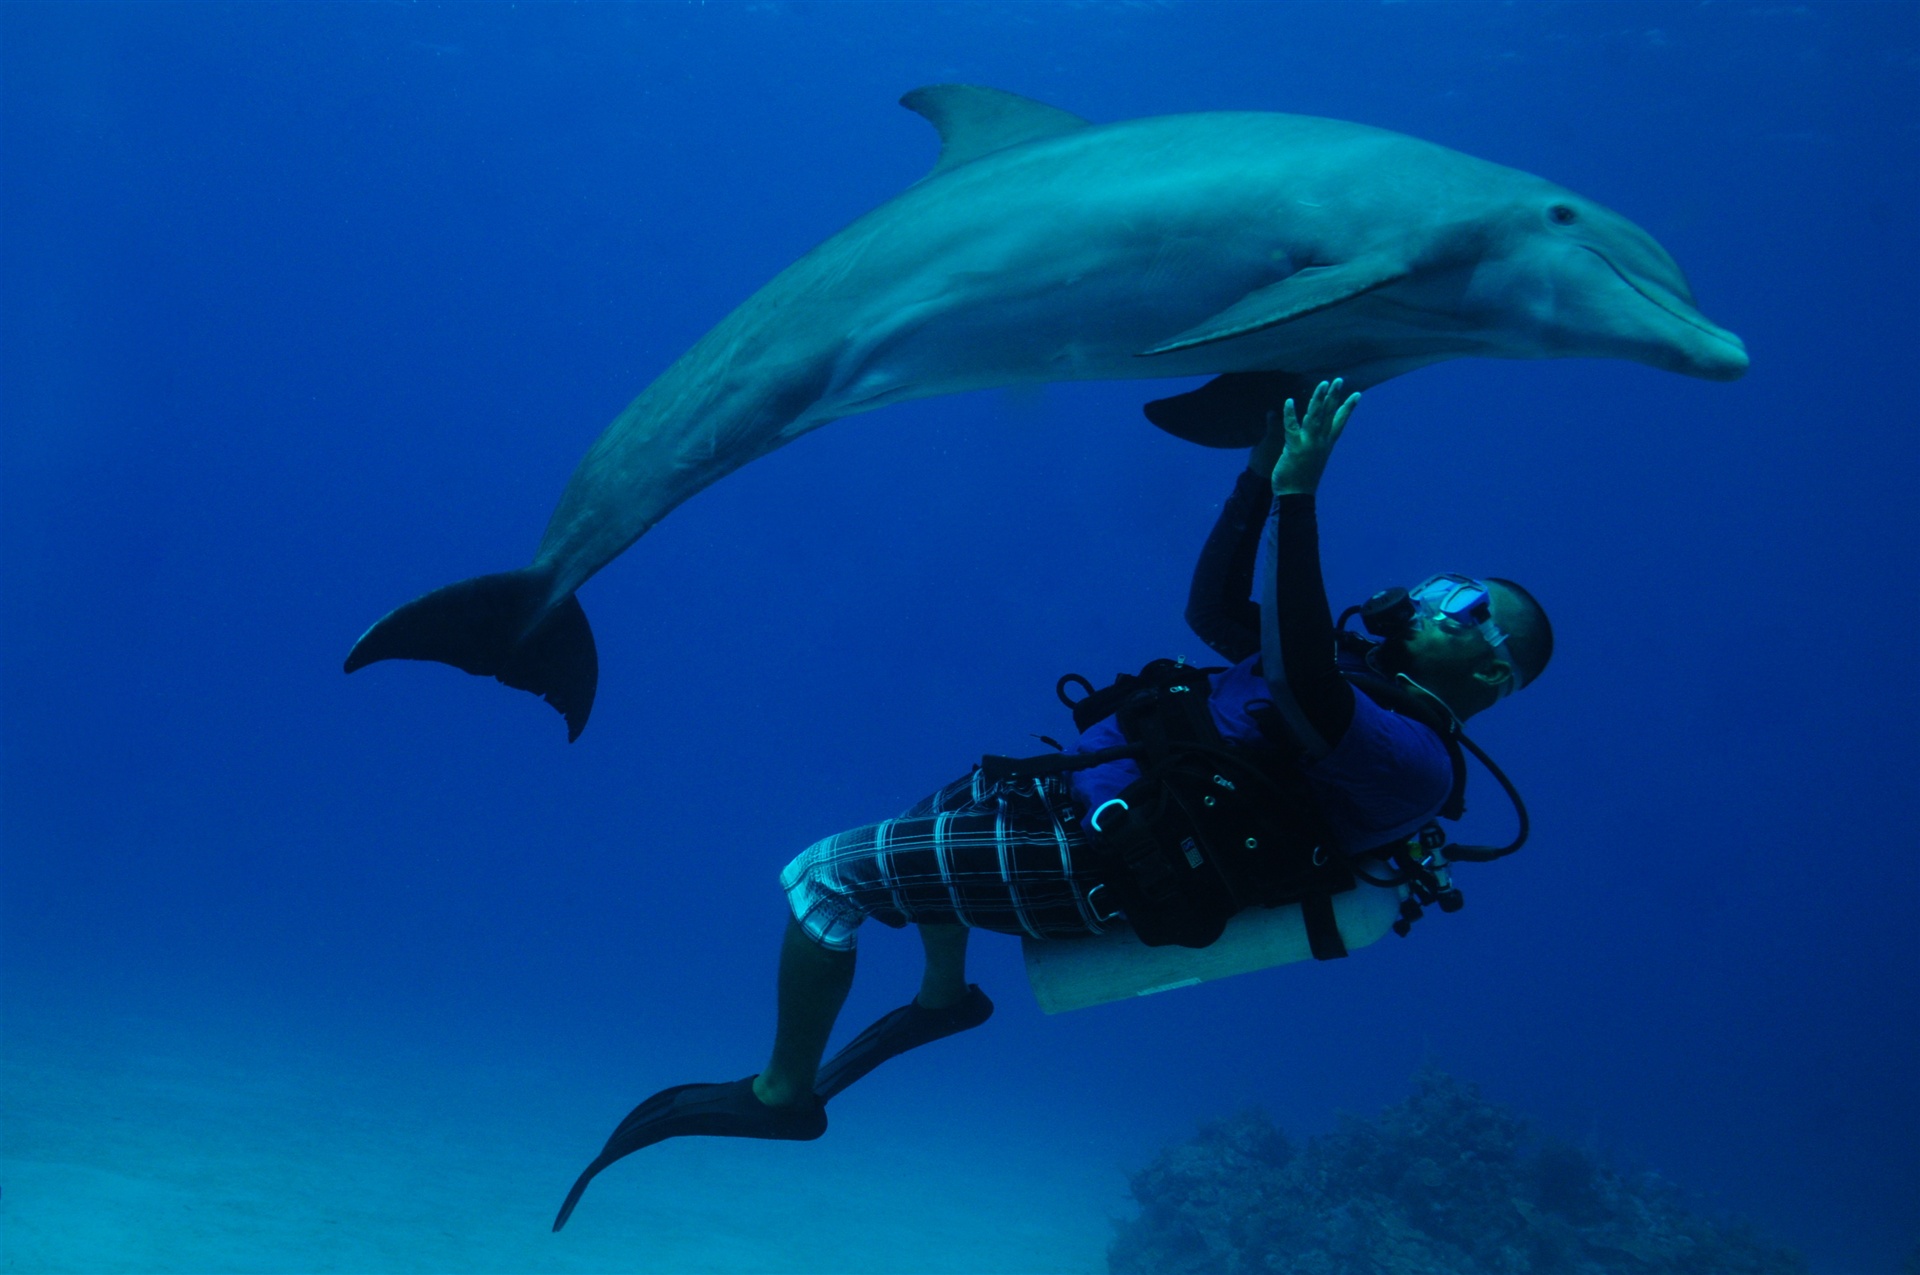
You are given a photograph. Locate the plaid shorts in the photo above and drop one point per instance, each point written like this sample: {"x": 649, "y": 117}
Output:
{"x": 1006, "y": 856}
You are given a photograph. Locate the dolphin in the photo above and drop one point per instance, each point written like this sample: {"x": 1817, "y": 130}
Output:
{"x": 1270, "y": 251}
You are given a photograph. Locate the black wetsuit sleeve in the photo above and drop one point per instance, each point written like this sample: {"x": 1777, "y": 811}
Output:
{"x": 1306, "y": 622}
{"x": 1220, "y": 607}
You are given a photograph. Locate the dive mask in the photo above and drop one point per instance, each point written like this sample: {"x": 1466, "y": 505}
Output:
{"x": 1457, "y": 603}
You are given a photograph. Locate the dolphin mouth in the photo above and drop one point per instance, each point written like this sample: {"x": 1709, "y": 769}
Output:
{"x": 1731, "y": 361}
{"x": 1679, "y": 310}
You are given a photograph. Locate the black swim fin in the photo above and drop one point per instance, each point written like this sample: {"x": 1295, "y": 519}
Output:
{"x": 732, "y": 1110}
{"x": 709, "y": 1111}
{"x": 492, "y": 626}
{"x": 1230, "y": 410}
{"x": 908, "y": 1027}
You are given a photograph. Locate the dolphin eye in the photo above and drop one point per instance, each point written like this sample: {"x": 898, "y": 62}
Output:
{"x": 1561, "y": 215}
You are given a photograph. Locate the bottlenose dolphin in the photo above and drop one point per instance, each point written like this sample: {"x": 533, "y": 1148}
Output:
{"x": 1277, "y": 249}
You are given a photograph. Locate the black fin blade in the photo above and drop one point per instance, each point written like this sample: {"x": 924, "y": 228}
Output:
{"x": 1229, "y": 410}
{"x": 908, "y": 1027}
{"x": 700, "y": 1111}
{"x": 579, "y": 1189}
{"x": 482, "y": 626}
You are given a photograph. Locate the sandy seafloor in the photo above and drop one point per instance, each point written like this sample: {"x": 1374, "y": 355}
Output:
{"x": 187, "y": 1139}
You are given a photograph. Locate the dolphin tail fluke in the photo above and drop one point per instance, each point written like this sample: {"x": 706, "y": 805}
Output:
{"x": 1230, "y": 410}
{"x": 493, "y": 626}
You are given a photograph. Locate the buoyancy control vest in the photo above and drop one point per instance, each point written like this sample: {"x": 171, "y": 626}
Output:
{"x": 1214, "y": 826}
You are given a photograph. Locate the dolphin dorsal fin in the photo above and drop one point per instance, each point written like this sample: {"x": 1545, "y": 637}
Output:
{"x": 974, "y": 121}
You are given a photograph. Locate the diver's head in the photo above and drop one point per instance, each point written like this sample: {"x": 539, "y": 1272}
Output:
{"x": 1471, "y": 642}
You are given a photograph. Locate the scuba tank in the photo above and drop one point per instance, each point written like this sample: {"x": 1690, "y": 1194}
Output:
{"x": 1078, "y": 972}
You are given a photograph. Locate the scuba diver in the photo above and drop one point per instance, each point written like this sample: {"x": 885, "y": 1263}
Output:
{"x": 1317, "y": 759}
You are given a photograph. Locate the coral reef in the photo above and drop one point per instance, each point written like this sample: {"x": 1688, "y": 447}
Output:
{"x": 1446, "y": 1183}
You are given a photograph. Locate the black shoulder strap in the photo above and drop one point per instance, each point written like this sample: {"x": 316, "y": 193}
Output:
{"x": 1159, "y": 708}
{"x": 1098, "y": 704}
{"x": 1167, "y": 709}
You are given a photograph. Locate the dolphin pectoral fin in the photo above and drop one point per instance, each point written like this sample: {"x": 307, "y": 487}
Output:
{"x": 492, "y": 626}
{"x": 1230, "y": 410}
{"x": 974, "y": 121}
{"x": 1299, "y": 294}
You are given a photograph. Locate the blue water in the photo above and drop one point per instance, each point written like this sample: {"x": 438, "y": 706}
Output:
{"x": 308, "y": 309}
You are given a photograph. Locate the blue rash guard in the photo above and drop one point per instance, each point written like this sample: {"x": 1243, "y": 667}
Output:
{"x": 1386, "y": 774}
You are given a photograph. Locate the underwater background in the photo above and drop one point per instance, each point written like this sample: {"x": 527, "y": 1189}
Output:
{"x": 311, "y": 308}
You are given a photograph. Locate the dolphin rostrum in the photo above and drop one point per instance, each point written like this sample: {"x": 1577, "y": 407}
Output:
{"x": 1274, "y": 249}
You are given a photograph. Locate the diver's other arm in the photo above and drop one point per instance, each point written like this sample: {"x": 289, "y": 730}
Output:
{"x": 1299, "y": 660}
{"x": 1220, "y": 606}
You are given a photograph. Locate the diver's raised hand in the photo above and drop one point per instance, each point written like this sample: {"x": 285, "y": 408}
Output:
{"x": 1308, "y": 441}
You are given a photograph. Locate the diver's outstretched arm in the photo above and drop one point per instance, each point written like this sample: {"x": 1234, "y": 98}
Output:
{"x": 1296, "y": 624}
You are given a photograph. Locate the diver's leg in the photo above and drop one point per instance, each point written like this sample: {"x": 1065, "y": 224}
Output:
{"x": 814, "y": 981}
{"x": 945, "y": 980}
